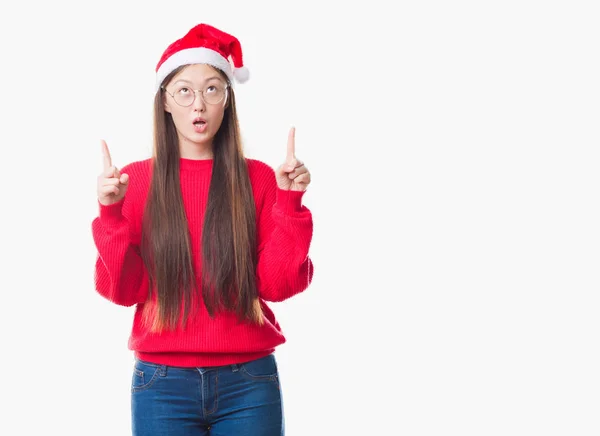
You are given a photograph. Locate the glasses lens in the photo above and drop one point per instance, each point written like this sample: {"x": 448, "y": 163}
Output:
{"x": 183, "y": 96}
{"x": 214, "y": 94}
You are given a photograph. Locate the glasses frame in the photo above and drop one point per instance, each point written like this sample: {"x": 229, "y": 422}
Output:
{"x": 225, "y": 94}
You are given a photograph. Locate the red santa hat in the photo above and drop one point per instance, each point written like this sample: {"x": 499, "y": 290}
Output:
{"x": 204, "y": 44}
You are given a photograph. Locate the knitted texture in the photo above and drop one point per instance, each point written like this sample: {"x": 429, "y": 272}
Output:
{"x": 284, "y": 232}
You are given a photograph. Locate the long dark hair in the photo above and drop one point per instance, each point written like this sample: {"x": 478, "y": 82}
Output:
{"x": 228, "y": 235}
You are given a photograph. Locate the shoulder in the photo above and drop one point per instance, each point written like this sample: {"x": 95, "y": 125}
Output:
{"x": 260, "y": 171}
{"x": 262, "y": 179}
{"x": 139, "y": 180}
{"x": 140, "y": 167}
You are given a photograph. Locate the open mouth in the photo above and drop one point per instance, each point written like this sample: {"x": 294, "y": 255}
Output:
{"x": 200, "y": 125}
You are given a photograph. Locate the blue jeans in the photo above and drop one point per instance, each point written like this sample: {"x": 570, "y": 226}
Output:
{"x": 233, "y": 400}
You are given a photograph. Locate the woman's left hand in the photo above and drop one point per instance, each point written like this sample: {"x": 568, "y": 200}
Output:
{"x": 293, "y": 174}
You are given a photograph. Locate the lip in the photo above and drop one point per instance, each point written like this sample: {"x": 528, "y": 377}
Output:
{"x": 199, "y": 128}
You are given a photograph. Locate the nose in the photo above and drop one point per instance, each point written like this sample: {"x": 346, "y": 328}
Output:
{"x": 199, "y": 104}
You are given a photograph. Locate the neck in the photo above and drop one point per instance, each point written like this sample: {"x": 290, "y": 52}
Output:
{"x": 193, "y": 150}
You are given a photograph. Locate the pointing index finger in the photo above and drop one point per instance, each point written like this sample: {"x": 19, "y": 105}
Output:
{"x": 106, "y": 155}
{"x": 291, "y": 145}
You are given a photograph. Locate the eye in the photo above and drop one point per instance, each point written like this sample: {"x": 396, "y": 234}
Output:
{"x": 211, "y": 88}
{"x": 183, "y": 91}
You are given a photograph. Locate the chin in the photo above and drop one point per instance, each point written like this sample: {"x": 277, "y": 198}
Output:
{"x": 200, "y": 138}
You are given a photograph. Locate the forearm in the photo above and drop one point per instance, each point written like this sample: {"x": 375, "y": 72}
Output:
{"x": 285, "y": 267}
{"x": 120, "y": 274}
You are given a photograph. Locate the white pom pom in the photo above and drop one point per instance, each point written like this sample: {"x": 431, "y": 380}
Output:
{"x": 241, "y": 74}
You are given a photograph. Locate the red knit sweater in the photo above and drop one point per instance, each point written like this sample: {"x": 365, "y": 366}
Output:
{"x": 284, "y": 233}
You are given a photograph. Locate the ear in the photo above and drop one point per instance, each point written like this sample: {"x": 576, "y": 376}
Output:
{"x": 166, "y": 103}
{"x": 226, "y": 101}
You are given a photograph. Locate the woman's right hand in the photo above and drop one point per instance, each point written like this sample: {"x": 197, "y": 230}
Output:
{"x": 112, "y": 185}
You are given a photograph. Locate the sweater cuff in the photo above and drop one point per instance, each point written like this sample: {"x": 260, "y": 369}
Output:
{"x": 111, "y": 214}
{"x": 289, "y": 201}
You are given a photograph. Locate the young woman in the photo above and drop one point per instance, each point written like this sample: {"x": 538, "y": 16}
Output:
{"x": 199, "y": 238}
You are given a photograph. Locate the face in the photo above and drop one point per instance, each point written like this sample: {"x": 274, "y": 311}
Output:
{"x": 196, "y": 98}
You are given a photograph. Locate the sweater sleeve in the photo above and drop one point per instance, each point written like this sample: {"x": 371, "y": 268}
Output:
{"x": 120, "y": 274}
{"x": 285, "y": 232}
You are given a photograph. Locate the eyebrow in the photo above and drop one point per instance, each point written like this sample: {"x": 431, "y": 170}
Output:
{"x": 206, "y": 80}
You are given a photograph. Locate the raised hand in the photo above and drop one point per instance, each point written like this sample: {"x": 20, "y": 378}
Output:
{"x": 112, "y": 185}
{"x": 292, "y": 174}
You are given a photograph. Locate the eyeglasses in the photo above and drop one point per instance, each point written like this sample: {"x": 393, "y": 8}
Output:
{"x": 211, "y": 94}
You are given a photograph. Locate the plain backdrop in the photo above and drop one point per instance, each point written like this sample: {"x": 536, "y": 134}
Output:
{"x": 454, "y": 151}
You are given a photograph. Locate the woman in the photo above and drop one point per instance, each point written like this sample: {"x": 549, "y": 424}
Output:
{"x": 199, "y": 238}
